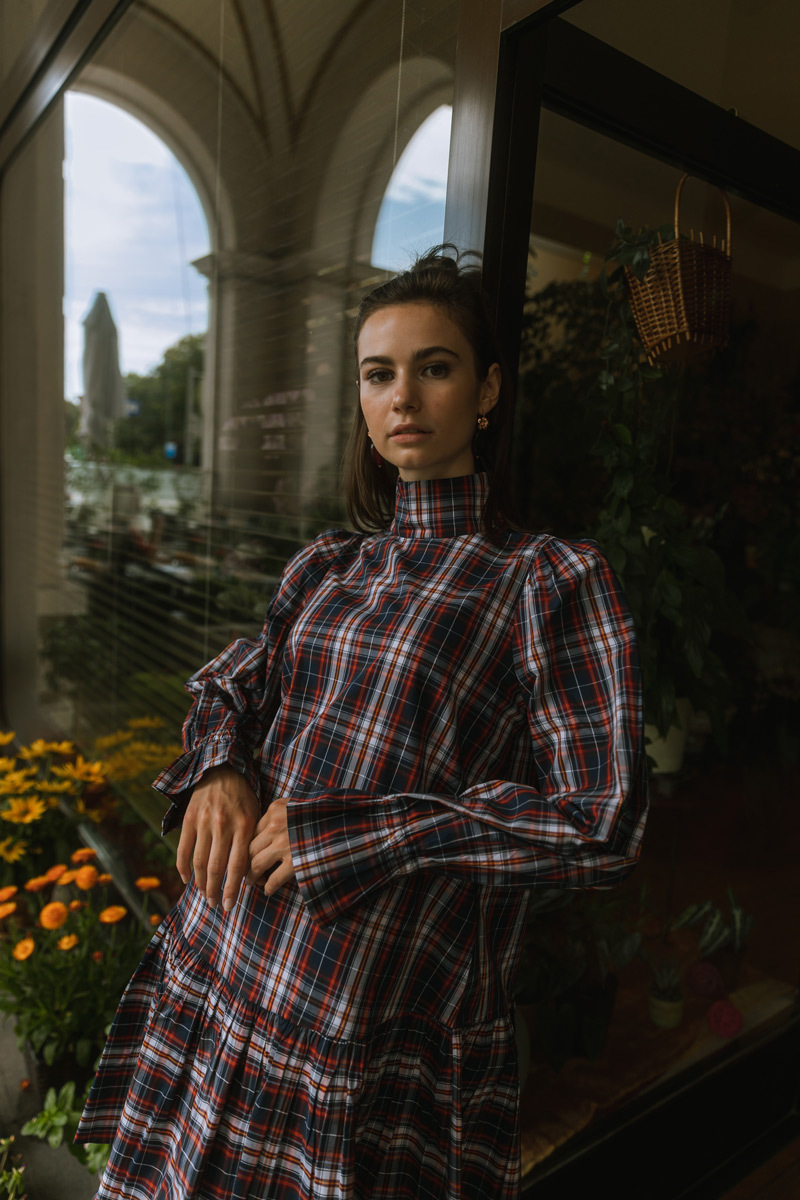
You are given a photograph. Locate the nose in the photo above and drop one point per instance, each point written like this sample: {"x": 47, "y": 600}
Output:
{"x": 404, "y": 393}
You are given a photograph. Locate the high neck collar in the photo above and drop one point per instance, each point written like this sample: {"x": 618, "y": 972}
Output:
{"x": 439, "y": 508}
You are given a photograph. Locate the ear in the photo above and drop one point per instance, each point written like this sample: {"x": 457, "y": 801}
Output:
{"x": 490, "y": 389}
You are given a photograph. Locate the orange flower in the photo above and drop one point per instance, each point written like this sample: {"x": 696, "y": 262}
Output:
{"x": 97, "y": 955}
{"x": 68, "y": 941}
{"x": 67, "y": 877}
{"x": 7, "y": 892}
{"x": 154, "y": 919}
{"x": 38, "y": 883}
{"x": 24, "y": 1084}
{"x": 5, "y": 738}
{"x": 84, "y": 855}
{"x": 24, "y": 949}
{"x": 105, "y": 878}
{"x": 112, "y": 914}
{"x": 7, "y": 909}
{"x": 147, "y": 883}
{"x": 76, "y": 905}
{"x": 53, "y": 915}
{"x": 55, "y": 873}
{"x": 86, "y": 877}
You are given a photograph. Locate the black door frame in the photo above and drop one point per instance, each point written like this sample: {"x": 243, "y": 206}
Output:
{"x": 693, "y": 1136}
{"x": 552, "y": 64}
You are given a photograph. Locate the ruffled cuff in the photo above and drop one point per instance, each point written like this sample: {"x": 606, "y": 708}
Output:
{"x": 345, "y": 846}
{"x": 180, "y": 778}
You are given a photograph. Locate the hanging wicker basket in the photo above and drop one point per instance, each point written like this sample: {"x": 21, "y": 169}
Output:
{"x": 682, "y": 305}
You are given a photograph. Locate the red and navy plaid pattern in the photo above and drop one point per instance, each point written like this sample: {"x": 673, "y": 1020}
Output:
{"x": 456, "y": 723}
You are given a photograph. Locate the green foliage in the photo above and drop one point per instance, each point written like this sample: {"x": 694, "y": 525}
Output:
{"x": 596, "y": 433}
{"x": 57, "y": 1123}
{"x": 161, "y": 396}
{"x": 11, "y": 1174}
{"x": 716, "y": 932}
{"x": 666, "y": 983}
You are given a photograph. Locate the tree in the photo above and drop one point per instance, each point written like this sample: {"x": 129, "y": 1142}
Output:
{"x": 160, "y": 399}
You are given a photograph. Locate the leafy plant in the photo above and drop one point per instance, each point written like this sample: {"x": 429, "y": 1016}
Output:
{"x": 67, "y": 950}
{"x": 666, "y": 983}
{"x": 717, "y": 933}
{"x": 11, "y": 1173}
{"x": 608, "y": 419}
{"x": 57, "y": 1123}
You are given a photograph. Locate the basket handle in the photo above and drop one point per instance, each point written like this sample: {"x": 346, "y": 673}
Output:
{"x": 678, "y": 191}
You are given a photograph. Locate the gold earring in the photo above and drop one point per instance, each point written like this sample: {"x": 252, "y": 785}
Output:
{"x": 483, "y": 422}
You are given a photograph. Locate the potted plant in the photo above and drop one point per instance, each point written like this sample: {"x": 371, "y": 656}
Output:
{"x": 67, "y": 950}
{"x": 576, "y": 944}
{"x": 722, "y": 942}
{"x": 666, "y": 994}
{"x": 591, "y": 403}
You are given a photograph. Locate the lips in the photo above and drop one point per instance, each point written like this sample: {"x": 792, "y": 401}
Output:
{"x": 403, "y": 430}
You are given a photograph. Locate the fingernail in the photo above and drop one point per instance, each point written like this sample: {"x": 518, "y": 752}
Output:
{"x": 227, "y": 904}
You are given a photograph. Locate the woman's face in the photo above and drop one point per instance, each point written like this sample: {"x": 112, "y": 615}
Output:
{"x": 420, "y": 391}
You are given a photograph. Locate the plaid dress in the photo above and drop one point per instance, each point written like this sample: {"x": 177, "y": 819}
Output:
{"x": 456, "y": 723}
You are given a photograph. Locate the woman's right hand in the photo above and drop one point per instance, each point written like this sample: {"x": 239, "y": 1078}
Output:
{"x": 216, "y": 833}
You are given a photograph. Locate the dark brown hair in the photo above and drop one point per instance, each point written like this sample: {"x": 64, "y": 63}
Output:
{"x": 439, "y": 277}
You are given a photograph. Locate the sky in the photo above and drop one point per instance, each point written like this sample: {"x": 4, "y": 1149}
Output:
{"x": 411, "y": 217}
{"x": 134, "y": 223}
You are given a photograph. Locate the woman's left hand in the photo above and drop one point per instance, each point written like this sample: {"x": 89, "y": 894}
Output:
{"x": 270, "y": 848}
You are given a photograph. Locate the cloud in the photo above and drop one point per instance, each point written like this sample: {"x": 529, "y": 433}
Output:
{"x": 133, "y": 224}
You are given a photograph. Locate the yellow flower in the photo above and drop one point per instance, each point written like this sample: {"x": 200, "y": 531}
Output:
{"x": 24, "y": 949}
{"x": 112, "y": 914}
{"x": 52, "y": 785}
{"x": 11, "y": 851}
{"x": 147, "y": 883}
{"x": 37, "y": 749}
{"x": 7, "y": 909}
{"x": 86, "y": 877}
{"x": 55, "y": 873}
{"x": 60, "y": 747}
{"x": 6, "y": 765}
{"x": 68, "y": 941}
{"x": 5, "y": 738}
{"x": 102, "y": 744}
{"x": 24, "y": 810}
{"x": 86, "y": 772}
{"x": 7, "y": 892}
{"x": 146, "y": 723}
{"x": 54, "y": 915}
{"x": 105, "y": 878}
{"x": 17, "y": 781}
{"x": 84, "y": 855}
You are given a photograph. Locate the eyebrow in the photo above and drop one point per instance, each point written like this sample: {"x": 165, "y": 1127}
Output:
{"x": 426, "y": 352}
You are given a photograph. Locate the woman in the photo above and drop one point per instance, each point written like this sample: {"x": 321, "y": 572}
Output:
{"x": 441, "y": 713}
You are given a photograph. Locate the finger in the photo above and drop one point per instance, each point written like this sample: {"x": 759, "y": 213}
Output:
{"x": 238, "y": 864}
{"x": 281, "y": 875}
{"x": 183, "y": 860}
{"x": 217, "y": 863}
{"x": 202, "y": 846}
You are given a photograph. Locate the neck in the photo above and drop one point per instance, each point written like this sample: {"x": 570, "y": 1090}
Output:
{"x": 440, "y": 508}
